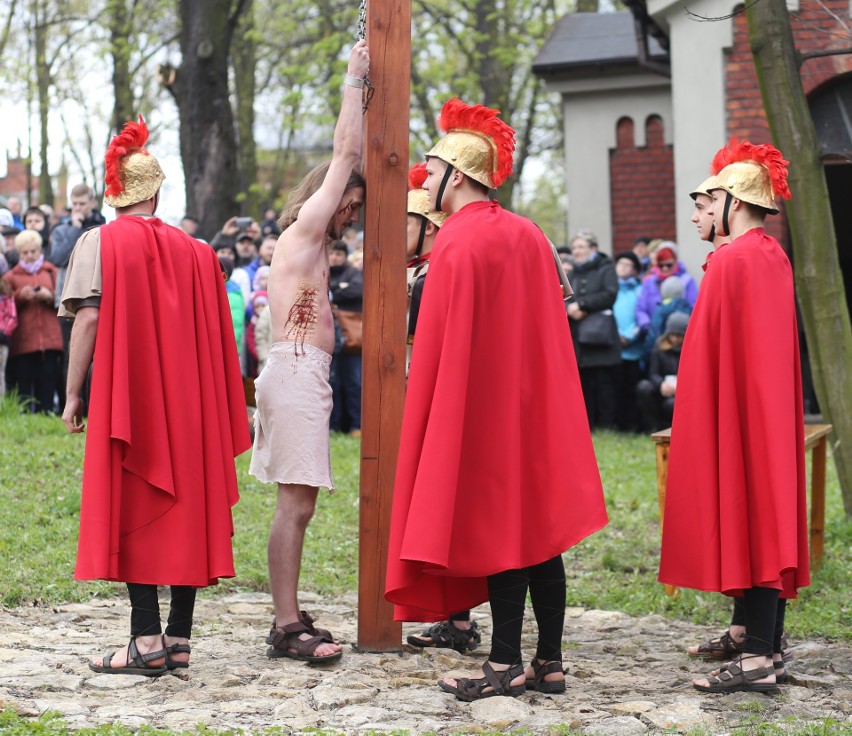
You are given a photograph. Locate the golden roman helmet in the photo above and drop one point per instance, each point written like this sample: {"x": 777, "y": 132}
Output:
{"x": 477, "y": 142}
{"x": 705, "y": 187}
{"x": 418, "y": 197}
{"x": 132, "y": 174}
{"x": 756, "y": 174}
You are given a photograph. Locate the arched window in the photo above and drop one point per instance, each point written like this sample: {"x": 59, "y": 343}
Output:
{"x": 654, "y": 132}
{"x": 624, "y": 134}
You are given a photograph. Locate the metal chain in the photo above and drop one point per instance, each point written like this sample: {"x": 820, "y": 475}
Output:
{"x": 362, "y": 22}
{"x": 361, "y": 34}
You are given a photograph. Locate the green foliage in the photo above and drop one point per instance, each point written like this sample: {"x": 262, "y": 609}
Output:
{"x": 615, "y": 569}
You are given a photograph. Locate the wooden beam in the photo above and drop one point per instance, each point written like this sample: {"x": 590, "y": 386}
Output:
{"x": 383, "y": 376}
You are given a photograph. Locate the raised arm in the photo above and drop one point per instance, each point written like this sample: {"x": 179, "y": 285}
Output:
{"x": 318, "y": 210}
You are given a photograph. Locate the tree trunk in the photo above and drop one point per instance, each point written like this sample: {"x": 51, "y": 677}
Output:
{"x": 244, "y": 60}
{"x": 494, "y": 71}
{"x": 207, "y": 141}
{"x": 45, "y": 185}
{"x": 119, "y": 22}
{"x": 819, "y": 280}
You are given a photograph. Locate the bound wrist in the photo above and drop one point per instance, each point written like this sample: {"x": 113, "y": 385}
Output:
{"x": 353, "y": 81}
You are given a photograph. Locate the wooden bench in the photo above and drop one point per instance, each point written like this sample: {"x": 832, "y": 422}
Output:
{"x": 815, "y": 441}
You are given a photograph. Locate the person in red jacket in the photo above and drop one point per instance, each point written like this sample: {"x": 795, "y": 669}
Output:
{"x": 166, "y": 413}
{"x": 735, "y": 517}
{"x": 483, "y": 508}
{"x": 35, "y": 355}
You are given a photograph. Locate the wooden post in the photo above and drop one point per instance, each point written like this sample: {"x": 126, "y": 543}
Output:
{"x": 383, "y": 377}
{"x": 663, "y": 438}
{"x": 817, "y": 534}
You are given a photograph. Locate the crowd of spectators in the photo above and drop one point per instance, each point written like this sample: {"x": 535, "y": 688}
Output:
{"x": 628, "y": 318}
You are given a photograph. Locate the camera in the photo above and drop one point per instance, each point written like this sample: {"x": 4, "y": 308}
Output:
{"x": 243, "y": 222}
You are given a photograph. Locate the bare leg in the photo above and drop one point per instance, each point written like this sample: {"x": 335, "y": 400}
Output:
{"x": 292, "y": 514}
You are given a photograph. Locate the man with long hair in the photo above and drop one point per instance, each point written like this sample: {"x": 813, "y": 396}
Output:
{"x": 294, "y": 397}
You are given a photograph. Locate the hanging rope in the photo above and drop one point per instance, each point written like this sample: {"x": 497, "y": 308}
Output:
{"x": 361, "y": 35}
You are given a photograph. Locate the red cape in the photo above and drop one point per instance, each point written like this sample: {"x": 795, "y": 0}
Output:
{"x": 167, "y": 413}
{"x": 496, "y": 467}
{"x": 735, "y": 512}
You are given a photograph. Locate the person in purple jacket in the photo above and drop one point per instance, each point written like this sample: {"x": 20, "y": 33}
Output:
{"x": 667, "y": 265}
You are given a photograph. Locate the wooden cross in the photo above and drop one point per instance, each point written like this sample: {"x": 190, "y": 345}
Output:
{"x": 383, "y": 375}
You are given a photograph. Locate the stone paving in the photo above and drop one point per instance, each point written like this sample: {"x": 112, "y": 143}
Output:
{"x": 625, "y": 676}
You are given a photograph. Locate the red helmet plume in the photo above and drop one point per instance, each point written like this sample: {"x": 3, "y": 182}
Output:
{"x": 477, "y": 143}
{"x": 416, "y": 176}
{"x": 764, "y": 154}
{"x": 132, "y": 138}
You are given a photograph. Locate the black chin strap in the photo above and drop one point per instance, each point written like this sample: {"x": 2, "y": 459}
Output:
{"x": 712, "y": 233}
{"x": 447, "y": 174}
{"x": 725, "y": 212}
{"x": 422, "y": 236}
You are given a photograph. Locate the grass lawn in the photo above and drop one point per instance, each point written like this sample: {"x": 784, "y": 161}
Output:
{"x": 41, "y": 468}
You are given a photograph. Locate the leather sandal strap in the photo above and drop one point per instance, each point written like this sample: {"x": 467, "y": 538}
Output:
{"x": 140, "y": 660}
{"x": 540, "y": 671}
{"x": 495, "y": 680}
{"x": 280, "y": 636}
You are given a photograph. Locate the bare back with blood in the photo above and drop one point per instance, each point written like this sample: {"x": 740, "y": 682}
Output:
{"x": 298, "y": 296}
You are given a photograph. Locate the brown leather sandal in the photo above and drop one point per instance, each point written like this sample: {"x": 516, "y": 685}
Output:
{"x": 307, "y": 620}
{"x": 722, "y": 648}
{"x": 732, "y": 678}
{"x": 470, "y": 689}
{"x": 137, "y": 663}
{"x": 537, "y": 681}
{"x": 446, "y": 635}
{"x": 725, "y": 648}
{"x": 285, "y": 642}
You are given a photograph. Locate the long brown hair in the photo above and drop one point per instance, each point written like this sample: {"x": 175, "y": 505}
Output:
{"x": 306, "y": 188}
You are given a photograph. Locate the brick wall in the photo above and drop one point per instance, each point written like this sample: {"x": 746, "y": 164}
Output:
{"x": 815, "y": 27}
{"x": 641, "y": 185}
{"x": 14, "y": 184}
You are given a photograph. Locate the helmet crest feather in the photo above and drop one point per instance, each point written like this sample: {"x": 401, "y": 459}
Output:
{"x": 457, "y": 116}
{"x": 131, "y": 139}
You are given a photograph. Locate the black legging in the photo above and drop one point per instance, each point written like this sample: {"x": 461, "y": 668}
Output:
{"x": 738, "y": 618}
{"x": 145, "y": 613}
{"x": 507, "y": 592}
{"x": 764, "y": 611}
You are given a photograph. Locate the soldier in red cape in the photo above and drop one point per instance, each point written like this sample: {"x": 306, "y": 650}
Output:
{"x": 735, "y": 517}
{"x": 496, "y": 475}
{"x": 166, "y": 415}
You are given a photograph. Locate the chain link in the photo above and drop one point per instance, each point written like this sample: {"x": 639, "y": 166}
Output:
{"x": 361, "y": 35}
{"x": 362, "y": 22}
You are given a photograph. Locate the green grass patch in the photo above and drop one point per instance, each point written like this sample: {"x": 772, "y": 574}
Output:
{"x": 616, "y": 569}
{"x": 52, "y": 724}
